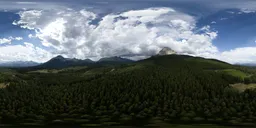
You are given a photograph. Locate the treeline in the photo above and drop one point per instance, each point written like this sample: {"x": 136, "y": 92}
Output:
{"x": 251, "y": 79}
{"x": 174, "y": 95}
{"x": 249, "y": 70}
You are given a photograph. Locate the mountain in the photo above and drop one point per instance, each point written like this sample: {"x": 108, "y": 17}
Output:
{"x": 166, "y": 51}
{"x": 115, "y": 60}
{"x": 172, "y": 61}
{"x": 61, "y": 62}
{"x": 163, "y": 58}
{"x": 17, "y": 64}
{"x": 247, "y": 64}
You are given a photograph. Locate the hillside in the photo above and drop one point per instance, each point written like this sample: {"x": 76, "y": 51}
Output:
{"x": 183, "y": 60}
{"x": 173, "y": 89}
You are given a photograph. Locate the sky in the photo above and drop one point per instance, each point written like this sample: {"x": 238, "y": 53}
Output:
{"x": 32, "y": 30}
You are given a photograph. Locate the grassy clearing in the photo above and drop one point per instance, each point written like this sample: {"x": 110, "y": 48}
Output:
{"x": 242, "y": 87}
{"x": 6, "y": 70}
{"x": 44, "y": 71}
{"x": 3, "y": 85}
{"x": 59, "y": 70}
{"x": 72, "y": 69}
{"x": 209, "y": 63}
{"x": 235, "y": 73}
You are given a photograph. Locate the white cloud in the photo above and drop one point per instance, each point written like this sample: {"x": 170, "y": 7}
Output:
{"x": 32, "y": 17}
{"x": 223, "y": 18}
{"x": 239, "y": 55}
{"x": 5, "y": 41}
{"x": 213, "y": 22}
{"x": 25, "y": 52}
{"x": 30, "y": 36}
{"x": 9, "y": 40}
{"x": 18, "y": 38}
{"x": 134, "y": 34}
{"x": 131, "y": 33}
{"x": 245, "y": 10}
{"x": 231, "y": 12}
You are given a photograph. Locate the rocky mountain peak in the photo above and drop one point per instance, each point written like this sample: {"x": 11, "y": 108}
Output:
{"x": 166, "y": 51}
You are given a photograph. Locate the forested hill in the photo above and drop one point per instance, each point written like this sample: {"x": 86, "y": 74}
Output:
{"x": 182, "y": 60}
{"x": 173, "y": 89}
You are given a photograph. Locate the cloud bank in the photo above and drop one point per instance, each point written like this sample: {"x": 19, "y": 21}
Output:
{"x": 133, "y": 34}
{"x": 25, "y": 52}
{"x": 9, "y": 40}
{"x": 83, "y": 34}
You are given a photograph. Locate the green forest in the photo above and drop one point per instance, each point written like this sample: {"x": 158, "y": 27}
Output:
{"x": 170, "y": 89}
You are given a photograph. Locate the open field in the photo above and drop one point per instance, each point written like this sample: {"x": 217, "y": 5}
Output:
{"x": 3, "y": 85}
{"x": 242, "y": 87}
{"x": 59, "y": 70}
{"x": 44, "y": 71}
{"x": 235, "y": 73}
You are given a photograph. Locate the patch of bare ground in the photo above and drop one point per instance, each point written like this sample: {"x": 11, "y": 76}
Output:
{"x": 242, "y": 87}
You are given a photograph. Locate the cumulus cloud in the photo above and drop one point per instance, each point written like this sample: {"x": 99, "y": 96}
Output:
{"x": 239, "y": 55}
{"x": 245, "y": 10}
{"x": 5, "y": 40}
{"x": 30, "y": 36}
{"x": 24, "y": 52}
{"x": 18, "y": 38}
{"x": 83, "y": 34}
{"x": 213, "y": 22}
{"x": 134, "y": 34}
{"x": 9, "y": 40}
{"x": 243, "y": 55}
{"x": 223, "y": 18}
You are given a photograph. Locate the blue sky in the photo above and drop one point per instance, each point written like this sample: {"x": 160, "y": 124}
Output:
{"x": 32, "y": 30}
{"x": 234, "y": 29}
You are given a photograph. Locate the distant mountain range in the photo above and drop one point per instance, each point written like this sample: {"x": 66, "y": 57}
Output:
{"x": 19, "y": 64}
{"x": 62, "y": 62}
{"x": 114, "y": 60}
{"x": 247, "y": 64}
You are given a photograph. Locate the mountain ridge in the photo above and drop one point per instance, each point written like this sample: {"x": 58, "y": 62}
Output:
{"x": 19, "y": 64}
{"x": 59, "y": 61}
{"x": 62, "y": 62}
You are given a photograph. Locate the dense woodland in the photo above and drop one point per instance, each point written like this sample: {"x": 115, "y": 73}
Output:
{"x": 174, "y": 90}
